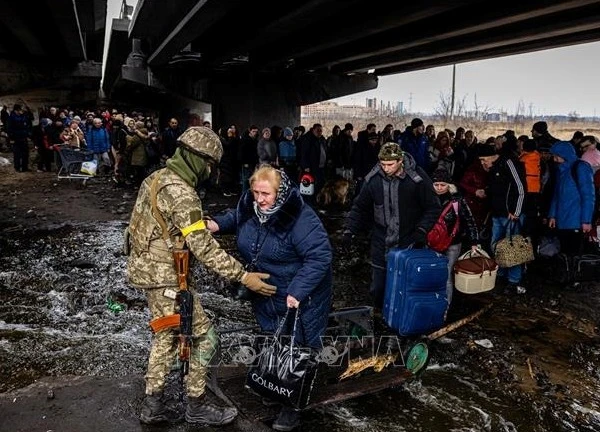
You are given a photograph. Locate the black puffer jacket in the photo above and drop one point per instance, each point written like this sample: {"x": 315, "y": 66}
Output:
{"x": 467, "y": 228}
{"x": 418, "y": 209}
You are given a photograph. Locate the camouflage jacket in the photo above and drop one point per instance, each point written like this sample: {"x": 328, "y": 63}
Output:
{"x": 150, "y": 263}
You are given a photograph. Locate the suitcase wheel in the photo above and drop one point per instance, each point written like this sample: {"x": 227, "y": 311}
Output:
{"x": 417, "y": 358}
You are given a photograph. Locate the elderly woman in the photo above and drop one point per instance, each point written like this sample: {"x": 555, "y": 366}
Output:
{"x": 277, "y": 233}
{"x": 73, "y": 136}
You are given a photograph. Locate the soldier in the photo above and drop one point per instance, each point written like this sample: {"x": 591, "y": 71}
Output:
{"x": 167, "y": 198}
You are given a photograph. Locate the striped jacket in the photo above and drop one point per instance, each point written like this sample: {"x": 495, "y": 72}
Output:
{"x": 507, "y": 186}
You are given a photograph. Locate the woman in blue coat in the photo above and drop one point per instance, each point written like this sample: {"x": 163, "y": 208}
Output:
{"x": 277, "y": 233}
{"x": 572, "y": 207}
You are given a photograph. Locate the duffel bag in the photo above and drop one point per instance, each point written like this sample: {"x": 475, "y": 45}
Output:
{"x": 475, "y": 272}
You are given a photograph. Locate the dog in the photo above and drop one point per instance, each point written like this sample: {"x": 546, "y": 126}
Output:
{"x": 334, "y": 192}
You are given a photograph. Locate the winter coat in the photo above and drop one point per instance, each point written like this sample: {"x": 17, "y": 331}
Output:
{"x": 19, "y": 127}
{"x": 267, "y": 151}
{"x": 247, "y": 153}
{"x": 294, "y": 248}
{"x": 573, "y": 200}
{"x": 98, "y": 140}
{"x": 287, "y": 152}
{"x": 475, "y": 178}
{"x": 531, "y": 161}
{"x": 506, "y": 187}
{"x": 365, "y": 158}
{"x": 467, "y": 228}
{"x": 418, "y": 209}
{"x": 136, "y": 148}
{"x": 417, "y": 146}
{"x": 311, "y": 152}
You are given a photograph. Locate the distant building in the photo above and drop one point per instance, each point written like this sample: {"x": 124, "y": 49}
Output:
{"x": 328, "y": 110}
{"x": 373, "y": 107}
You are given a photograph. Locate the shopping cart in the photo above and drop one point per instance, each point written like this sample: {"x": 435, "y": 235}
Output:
{"x": 72, "y": 160}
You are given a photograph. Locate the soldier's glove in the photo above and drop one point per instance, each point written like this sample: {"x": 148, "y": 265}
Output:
{"x": 347, "y": 238}
{"x": 254, "y": 282}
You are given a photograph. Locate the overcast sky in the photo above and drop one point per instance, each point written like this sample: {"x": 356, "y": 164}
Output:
{"x": 557, "y": 81}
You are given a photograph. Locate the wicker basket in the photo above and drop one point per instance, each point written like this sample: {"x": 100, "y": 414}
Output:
{"x": 475, "y": 272}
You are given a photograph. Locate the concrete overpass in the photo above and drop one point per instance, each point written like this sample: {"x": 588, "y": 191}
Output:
{"x": 255, "y": 63}
{"x": 258, "y": 63}
{"x": 52, "y": 45}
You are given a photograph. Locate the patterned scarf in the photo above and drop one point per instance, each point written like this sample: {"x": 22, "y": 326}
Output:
{"x": 285, "y": 187}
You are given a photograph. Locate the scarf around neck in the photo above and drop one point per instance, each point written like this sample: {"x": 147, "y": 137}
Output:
{"x": 285, "y": 187}
{"x": 192, "y": 168}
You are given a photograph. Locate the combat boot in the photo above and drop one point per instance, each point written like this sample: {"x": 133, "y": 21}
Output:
{"x": 154, "y": 410}
{"x": 200, "y": 411}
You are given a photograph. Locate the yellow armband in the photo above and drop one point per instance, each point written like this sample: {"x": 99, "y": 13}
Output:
{"x": 196, "y": 226}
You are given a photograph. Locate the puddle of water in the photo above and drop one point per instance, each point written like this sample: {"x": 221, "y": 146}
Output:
{"x": 54, "y": 320}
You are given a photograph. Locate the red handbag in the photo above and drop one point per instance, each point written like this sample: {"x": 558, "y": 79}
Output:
{"x": 439, "y": 238}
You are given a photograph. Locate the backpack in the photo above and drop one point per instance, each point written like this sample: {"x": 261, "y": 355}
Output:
{"x": 439, "y": 238}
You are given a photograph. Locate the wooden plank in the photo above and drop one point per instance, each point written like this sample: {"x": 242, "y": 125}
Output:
{"x": 329, "y": 389}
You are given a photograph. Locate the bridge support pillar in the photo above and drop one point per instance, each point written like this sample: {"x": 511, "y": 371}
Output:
{"x": 275, "y": 99}
{"x": 252, "y": 99}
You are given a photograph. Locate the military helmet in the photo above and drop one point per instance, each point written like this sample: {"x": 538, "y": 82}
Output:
{"x": 390, "y": 151}
{"x": 202, "y": 141}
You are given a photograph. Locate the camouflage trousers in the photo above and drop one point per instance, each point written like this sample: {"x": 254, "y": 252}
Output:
{"x": 163, "y": 352}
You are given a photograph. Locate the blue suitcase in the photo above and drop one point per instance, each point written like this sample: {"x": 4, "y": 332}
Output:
{"x": 415, "y": 300}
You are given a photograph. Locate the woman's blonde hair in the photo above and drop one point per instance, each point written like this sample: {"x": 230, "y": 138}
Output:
{"x": 268, "y": 173}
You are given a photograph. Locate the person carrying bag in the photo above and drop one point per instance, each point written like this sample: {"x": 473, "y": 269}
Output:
{"x": 283, "y": 371}
{"x": 514, "y": 249}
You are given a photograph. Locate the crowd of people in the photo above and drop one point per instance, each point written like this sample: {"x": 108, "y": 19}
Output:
{"x": 402, "y": 182}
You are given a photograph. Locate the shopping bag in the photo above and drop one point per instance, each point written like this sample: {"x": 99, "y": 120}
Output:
{"x": 89, "y": 167}
{"x": 514, "y": 249}
{"x": 282, "y": 371}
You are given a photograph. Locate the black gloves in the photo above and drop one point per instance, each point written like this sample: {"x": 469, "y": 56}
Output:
{"x": 419, "y": 239}
{"x": 347, "y": 238}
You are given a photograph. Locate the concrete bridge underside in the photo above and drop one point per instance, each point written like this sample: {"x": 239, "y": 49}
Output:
{"x": 52, "y": 44}
{"x": 255, "y": 63}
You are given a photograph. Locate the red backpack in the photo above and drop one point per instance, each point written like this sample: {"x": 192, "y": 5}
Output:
{"x": 439, "y": 238}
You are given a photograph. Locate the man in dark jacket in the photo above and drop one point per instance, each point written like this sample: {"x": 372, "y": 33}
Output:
{"x": 414, "y": 141}
{"x": 541, "y": 136}
{"x": 313, "y": 156}
{"x": 399, "y": 202}
{"x": 18, "y": 130}
{"x": 247, "y": 157}
{"x": 506, "y": 189}
{"x": 169, "y": 137}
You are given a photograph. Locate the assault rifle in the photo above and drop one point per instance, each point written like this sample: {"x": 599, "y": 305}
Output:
{"x": 185, "y": 302}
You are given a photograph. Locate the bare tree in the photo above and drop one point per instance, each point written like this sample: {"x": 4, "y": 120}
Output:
{"x": 475, "y": 119}
{"x": 573, "y": 116}
{"x": 444, "y": 108}
{"x": 519, "y": 117}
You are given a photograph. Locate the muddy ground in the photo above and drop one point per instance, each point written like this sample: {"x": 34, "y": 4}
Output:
{"x": 543, "y": 356}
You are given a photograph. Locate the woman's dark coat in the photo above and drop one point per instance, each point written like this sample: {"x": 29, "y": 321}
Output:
{"x": 294, "y": 248}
